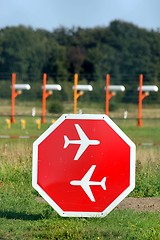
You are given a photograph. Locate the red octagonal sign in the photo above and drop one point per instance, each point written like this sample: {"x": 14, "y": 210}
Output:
{"x": 83, "y": 165}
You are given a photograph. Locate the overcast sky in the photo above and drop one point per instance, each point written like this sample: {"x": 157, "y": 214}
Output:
{"x": 51, "y": 14}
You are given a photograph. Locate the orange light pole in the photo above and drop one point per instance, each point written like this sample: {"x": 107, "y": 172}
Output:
{"x": 76, "y": 94}
{"x": 108, "y": 94}
{"x": 45, "y": 95}
{"x": 13, "y": 96}
{"x": 140, "y": 99}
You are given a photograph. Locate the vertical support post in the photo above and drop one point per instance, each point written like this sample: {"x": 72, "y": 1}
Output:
{"x": 75, "y": 93}
{"x": 43, "y": 119}
{"x": 45, "y": 94}
{"x": 14, "y": 94}
{"x": 108, "y": 94}
{"x": 141, "y": 96}
{"x": 139, "y": 123}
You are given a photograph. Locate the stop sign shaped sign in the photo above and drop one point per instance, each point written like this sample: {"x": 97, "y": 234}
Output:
{"x": 83, "y": 165}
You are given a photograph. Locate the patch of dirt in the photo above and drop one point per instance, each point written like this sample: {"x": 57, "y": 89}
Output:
{"x": 150, "y": 204}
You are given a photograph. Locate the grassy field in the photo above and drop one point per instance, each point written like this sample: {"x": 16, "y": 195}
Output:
{"x": 24, "y": 216}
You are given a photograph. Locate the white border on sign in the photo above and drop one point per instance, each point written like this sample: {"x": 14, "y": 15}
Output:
{"x": 118, "y": 131}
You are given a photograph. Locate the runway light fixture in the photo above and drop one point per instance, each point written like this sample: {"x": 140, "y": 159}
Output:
{"x": 149, "y": 88}
{"x": 16, "y": 90}
{"x": 46, "y": 92}
{"x": 111, "y": 91}
{"x": 143, "y": 92}
{"x": 22, "y": 86}
{"x": 79, "y": 91}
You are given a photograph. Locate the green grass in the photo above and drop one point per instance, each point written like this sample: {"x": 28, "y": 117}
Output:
{"x": 23, "y": 217}
{"x": 143, "y": 135}
{"x": 146, "y": 134}
{"x": 30, "y": 130}
{"x": 118, "y": 225}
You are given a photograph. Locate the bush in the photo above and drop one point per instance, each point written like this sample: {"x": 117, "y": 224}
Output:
{"x": 56, "y": 107}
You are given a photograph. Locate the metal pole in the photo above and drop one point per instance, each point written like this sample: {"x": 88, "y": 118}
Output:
{"x": 107, "y": 93}
{"x": 139, "y": 123}
{"x": 140, "y": 99}
{"x": 13, "y": 96}
{"x": 43, "y": 119}
{"x": 75, "y": 92}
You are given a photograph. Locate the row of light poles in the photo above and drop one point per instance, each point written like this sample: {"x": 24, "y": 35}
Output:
{"x": 78, "y": 90}
{"x": 142, "y": 89}
{"x": 111, "y": 91}
{"x": 46, "y": 92}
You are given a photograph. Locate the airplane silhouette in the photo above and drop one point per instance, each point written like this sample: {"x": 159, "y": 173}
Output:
{"x": 85, "y": 183}
{"x": 84, "y": 142}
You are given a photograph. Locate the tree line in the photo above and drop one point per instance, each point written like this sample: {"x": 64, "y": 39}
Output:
{"x": 121, "y": 49}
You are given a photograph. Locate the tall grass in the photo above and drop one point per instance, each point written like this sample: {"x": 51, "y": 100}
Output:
{"x": 16, "y": 162}
{"x": 23, "y": 217}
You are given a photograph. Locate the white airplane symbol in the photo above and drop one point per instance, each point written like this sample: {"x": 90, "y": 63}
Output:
{"x": 85, "y": 183}
{"x": 84, "y": 142}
